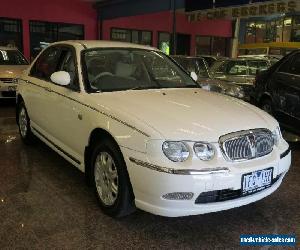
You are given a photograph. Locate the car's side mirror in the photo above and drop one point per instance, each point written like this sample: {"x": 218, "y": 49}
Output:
{"x": 194, "y": 76}
{"x": 62, "y": 78}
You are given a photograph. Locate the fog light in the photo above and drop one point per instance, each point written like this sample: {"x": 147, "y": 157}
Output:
{"x": 178, "y": 196}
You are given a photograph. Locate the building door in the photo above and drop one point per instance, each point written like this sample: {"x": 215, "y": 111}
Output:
{"x": 183, "y": 46}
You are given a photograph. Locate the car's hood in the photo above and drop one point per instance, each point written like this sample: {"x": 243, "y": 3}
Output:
{"x": 11, "y": 71}
{"x": 183, "y": 114}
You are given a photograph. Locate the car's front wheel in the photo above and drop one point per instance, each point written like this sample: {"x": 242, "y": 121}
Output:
{"x": 24, "y": 124}
{"x": 110, "y": 179}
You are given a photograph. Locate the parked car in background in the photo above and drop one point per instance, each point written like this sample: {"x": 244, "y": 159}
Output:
{"x": 12, "y": 64}
{"x": 146, "y": 139}
{"x": 271, "y": 59}
{"x": 240, "y": 72}
{"x": 210, "y": 59}
{"x": 200, "y": 67}
{"x": 277, "y": 91}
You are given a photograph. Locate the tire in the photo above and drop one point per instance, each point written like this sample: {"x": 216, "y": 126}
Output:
{"x": 267, "y": 106}
{"x": 110, "y": 179}
{"x": 24, "y": 124}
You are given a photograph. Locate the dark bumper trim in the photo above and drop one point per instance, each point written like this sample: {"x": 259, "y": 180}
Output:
{"x": 285, "y": 153}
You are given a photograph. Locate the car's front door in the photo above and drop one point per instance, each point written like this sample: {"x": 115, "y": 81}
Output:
{"x": 38, "y": 78}
{"x": 66, "y": 112}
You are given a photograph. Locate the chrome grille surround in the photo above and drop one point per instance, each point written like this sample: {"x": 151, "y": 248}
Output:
{"x": 247, "y": 144}
{"x": 6, "y": 80}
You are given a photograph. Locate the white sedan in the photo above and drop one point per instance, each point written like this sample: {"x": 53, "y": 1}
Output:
{"x": 144, "y": 133}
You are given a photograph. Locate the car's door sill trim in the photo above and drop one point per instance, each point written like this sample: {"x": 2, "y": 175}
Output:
{"x": 57, "y": 147}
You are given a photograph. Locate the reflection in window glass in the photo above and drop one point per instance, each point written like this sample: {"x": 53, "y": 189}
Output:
{"x": 11, "y": 33}
{"x": 12, "y": 57}
{"x": 43, "y": 33}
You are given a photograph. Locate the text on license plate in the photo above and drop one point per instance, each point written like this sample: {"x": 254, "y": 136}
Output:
{"x": 256, "y": 181}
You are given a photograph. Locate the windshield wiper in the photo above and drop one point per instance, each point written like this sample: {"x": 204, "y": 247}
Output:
{"x": 145, "y": 87}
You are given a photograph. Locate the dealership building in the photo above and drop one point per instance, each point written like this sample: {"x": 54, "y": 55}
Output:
{"x": 175, "y": 26}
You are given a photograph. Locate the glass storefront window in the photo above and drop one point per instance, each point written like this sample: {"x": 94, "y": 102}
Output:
{"x": 250, "y": 32}
{"x": 146, "y": 38}
{"x": 219, "y": 46}
{"x": 203, "y": 45}
{"x": 43, "y": 33}
{"x": 131, "y": 36}
{"x": 287, "y": 29}
{"x": 164, "y": 42}
{"x": 279, "y": 25}
{"x": 207, "y": 45}
{"x": 270, "y": 32}
{"x": 296, "y": 29}
{"x": 11, "y": 33}
{"x": 277, "y": 30}
{"x": 260, "y": 32}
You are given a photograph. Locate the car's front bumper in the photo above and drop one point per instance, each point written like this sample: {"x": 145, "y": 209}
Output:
{"x": 150, "y": 185}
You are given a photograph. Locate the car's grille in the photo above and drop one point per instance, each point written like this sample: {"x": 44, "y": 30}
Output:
{"x": 247, "y": 144}
{"x": 224, "y": 194}
{"x": 6, "y": 80}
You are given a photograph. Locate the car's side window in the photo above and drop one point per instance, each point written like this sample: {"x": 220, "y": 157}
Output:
{"x": 67, "y": 63}
{"x": 46, "y": 64}
{"x": 295, "y": 65}
{"x": 285, "y": 67}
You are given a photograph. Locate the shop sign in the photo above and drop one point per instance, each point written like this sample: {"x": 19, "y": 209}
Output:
{"x": 249, "y": 10}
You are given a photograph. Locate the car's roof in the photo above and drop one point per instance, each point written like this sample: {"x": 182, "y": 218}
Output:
{"x": 244, "y": 59}
{"x": 188, "y": 57}
{"x": 105, "y": 44}
{"x": 7, "y": 48}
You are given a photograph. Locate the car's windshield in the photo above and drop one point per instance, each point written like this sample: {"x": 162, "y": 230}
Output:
{"x": 118, "y": 69}
{"x": 192, "y": 64}
{"x": 12, "y": 57}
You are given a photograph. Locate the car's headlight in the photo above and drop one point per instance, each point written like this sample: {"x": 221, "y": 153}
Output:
{"x": 276, "y": 134}
{"x": 235, "y": 91}
{"x": 176, "y": 150}
{"x": 204, "y": 151}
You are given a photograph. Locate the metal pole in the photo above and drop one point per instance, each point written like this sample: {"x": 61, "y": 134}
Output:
{"x": 174, "y": 28}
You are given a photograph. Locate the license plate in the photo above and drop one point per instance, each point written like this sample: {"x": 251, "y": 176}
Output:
{"x": 256, "y": 181}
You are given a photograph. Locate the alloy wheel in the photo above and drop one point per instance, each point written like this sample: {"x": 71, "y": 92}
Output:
{"x": 23, "y": 122}
{"x": 106, "y": 178}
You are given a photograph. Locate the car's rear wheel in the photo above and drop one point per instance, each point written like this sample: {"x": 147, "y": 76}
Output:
{"x": 110, "y": 179}
{"x": 24, "y": 124}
